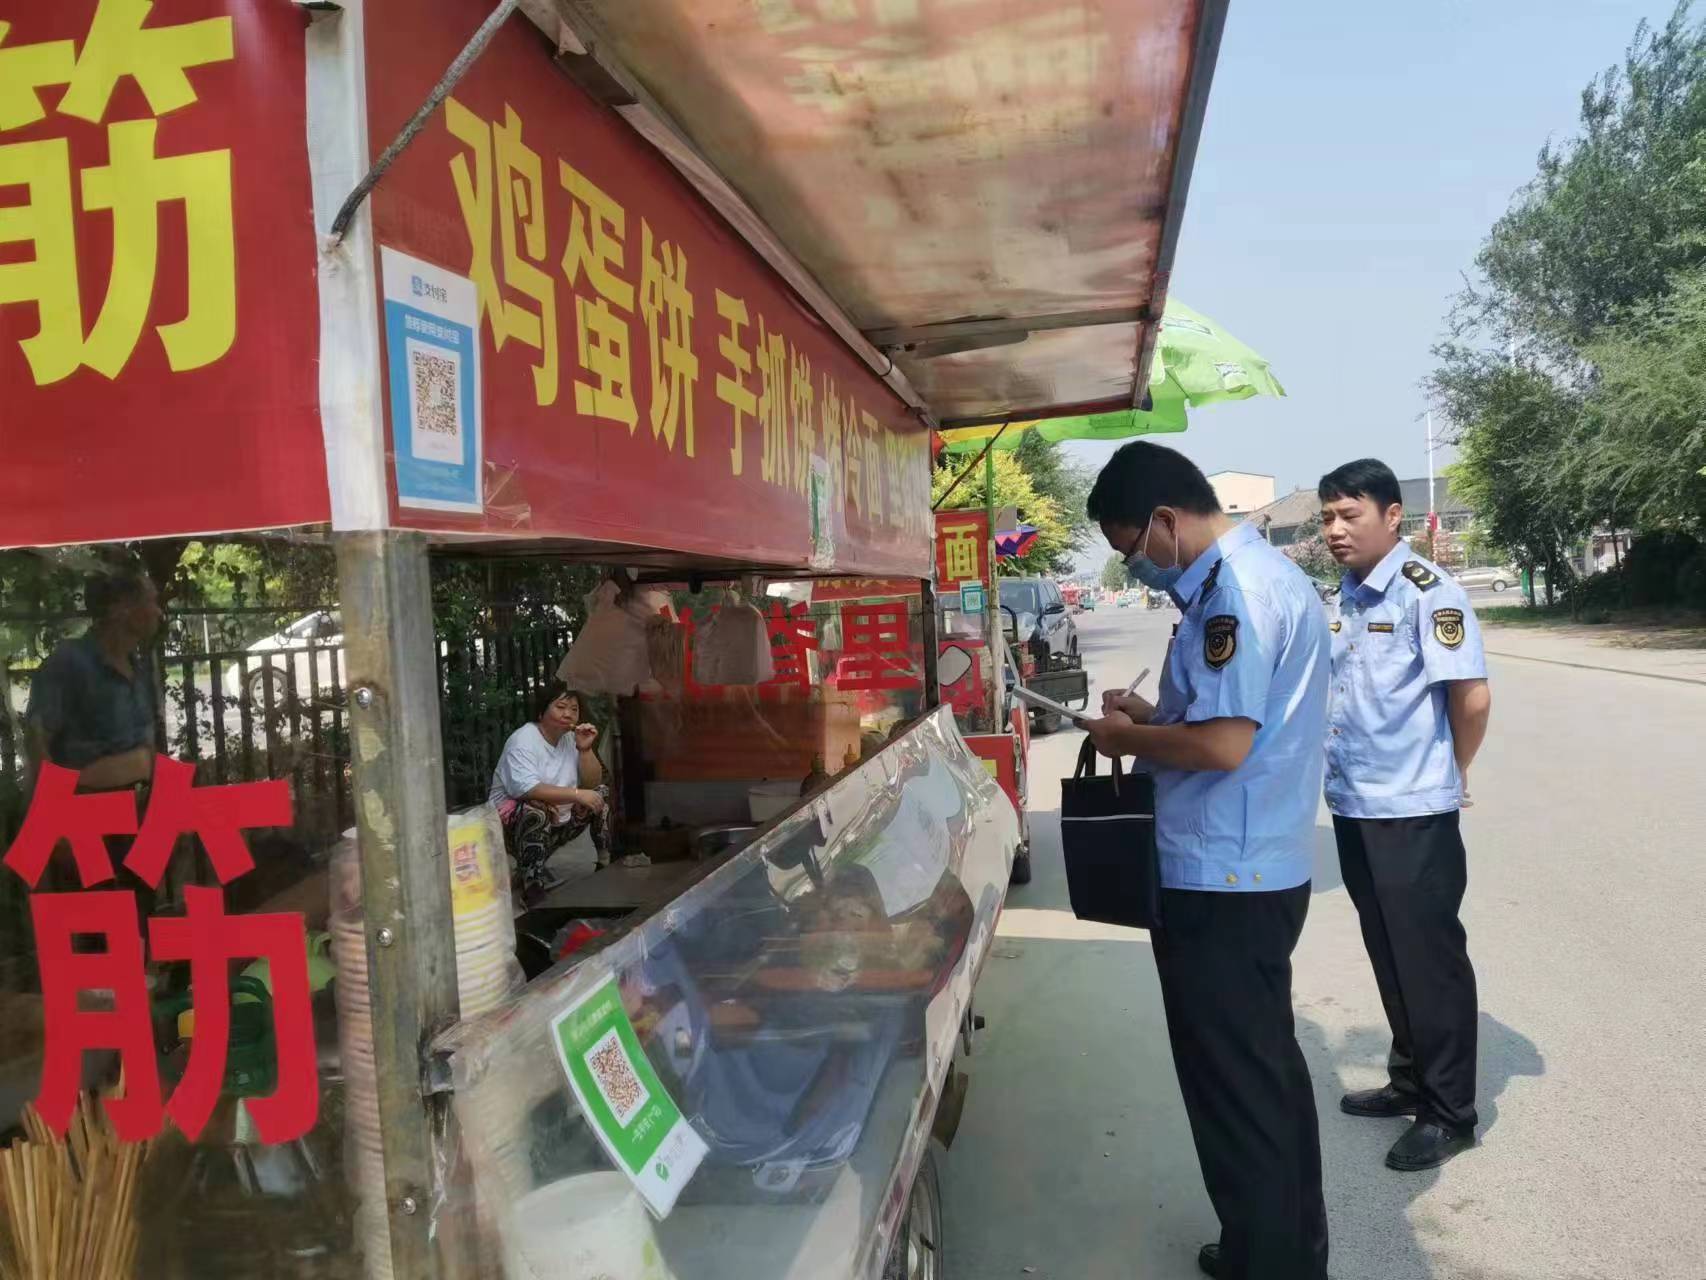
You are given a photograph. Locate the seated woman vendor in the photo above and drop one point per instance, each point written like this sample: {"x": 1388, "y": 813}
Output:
{"x": 549, "y": 786}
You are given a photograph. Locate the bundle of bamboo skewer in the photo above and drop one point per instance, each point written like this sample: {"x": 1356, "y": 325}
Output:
{"x": 68, "y": 1205}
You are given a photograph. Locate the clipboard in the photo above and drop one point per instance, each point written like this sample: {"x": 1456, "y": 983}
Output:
{"x": 1049, "y": 704}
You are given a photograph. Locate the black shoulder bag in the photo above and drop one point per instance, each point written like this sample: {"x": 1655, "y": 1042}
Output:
{"x": 1107, "y": 832}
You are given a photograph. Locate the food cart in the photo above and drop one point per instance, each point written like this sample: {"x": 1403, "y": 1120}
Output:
{"x": 412, "y": 282}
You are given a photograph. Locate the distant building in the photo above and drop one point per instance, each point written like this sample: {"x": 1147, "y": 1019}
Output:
{"x": 1241, "y": 492}
{"x": 1283, "y": 521}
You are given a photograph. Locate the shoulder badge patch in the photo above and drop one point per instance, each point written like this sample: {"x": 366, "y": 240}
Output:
{"x": 1448, "y": 627}
{"x": 1219, "y": 640}
{"x": 1420, "y": 574}
{"x": 1336, "y": 626}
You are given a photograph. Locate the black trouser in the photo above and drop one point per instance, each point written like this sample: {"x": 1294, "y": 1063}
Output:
{"x": 1225, "y": 965}
{"x": 1407, "y": 877}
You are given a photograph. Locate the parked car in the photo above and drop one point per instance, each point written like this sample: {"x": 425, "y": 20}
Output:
{"x": 316, "y": 638}
{"x": 1488, "y": 576}
{"x": 1045, "y": 642}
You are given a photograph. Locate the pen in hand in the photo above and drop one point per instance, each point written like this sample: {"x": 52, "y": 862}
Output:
{"x": 1141, "y": 677}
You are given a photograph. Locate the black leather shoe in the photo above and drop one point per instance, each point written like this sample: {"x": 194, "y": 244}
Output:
{"x": 1208, "y": 1261}
{"x": 1427, "y": 1146}
{"x": 1381, "y": 1102}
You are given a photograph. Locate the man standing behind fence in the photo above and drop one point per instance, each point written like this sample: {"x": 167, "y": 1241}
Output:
{"x": 93, "y": 704}
{"x": 1408, "y": 711}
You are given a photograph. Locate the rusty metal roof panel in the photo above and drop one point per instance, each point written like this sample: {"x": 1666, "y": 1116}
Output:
{"x": 1016, "y": 163}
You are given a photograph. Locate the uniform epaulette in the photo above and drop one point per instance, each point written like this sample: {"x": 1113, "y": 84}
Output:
{"x": 1420, "y": 574}
{"x": 1213, "y": 575}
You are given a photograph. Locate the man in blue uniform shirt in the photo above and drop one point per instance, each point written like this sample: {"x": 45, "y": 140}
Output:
{"x": 1408, "y": 711}
{"x": 1235, "y": 746}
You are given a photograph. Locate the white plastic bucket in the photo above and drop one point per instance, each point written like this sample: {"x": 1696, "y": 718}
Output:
{"x": 589, "y": 1227}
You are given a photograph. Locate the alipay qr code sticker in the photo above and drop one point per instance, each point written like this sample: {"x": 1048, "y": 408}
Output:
{"x": 436, "y": 415}
{"x": 637, "y": 1122}
{"x": 433, "y": 355}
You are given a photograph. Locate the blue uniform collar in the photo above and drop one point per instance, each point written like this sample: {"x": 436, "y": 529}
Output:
{"x": 1380, "y": 577}
{"x": 1185, "y": 590}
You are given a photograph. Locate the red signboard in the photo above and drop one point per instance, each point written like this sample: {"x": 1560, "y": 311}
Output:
{"x": 643, "y": 378}
{"x": 962, "y": 549}
{"x": 158, "y": 312}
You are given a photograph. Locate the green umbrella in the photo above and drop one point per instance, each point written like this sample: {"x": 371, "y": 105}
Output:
{"x": 1196, "y": 363}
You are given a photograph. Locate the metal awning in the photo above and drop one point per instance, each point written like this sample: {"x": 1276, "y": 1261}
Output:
{"x": 980, "y": 195}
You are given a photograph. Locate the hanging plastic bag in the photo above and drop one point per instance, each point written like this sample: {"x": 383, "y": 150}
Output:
{"x": 610, "y": 653}
{"x": 733, "y": 648}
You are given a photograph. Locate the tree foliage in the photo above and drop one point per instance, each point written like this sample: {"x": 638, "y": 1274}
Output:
{"x": 1115, "y": 576}
{"x": 1051, "y": 553}
{"x": 1574, "y": 371}
{"x": 1309, "y": 552}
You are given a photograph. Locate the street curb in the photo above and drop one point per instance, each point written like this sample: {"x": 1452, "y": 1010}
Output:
{"x": 1591, "y": 666}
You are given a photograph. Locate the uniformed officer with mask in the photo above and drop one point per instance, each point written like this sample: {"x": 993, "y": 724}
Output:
{"x": 1235, "y": 746}
{"x": 1408, "y": 711}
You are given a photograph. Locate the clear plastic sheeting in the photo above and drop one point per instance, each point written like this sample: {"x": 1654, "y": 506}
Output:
{"x": 798, "y": 1007}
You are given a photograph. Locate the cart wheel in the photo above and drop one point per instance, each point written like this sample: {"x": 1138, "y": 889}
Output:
{"x": 917, "y": 1253}
{"x": 1021, "y": 866}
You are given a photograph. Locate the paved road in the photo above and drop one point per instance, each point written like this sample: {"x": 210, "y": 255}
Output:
{"x": 1585, "y": 922}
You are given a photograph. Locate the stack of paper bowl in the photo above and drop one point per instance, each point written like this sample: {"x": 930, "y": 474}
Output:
{"x": 364, "y": 1154}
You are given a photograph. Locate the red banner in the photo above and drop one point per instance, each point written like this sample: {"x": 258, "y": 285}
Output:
{"x": 642, "y": 377}
{"x": 158, "y": 313}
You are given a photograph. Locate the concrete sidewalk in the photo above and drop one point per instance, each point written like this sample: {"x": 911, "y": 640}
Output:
{"x": 1664, "y": 653}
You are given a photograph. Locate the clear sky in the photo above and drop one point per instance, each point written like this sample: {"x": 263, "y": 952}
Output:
{"x": 1354, "y": 156}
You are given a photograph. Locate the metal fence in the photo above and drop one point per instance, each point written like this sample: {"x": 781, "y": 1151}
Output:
{"x": 256, "y": 693}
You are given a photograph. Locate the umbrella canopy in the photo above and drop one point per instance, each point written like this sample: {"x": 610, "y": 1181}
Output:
{"x": 1196, "y": 363}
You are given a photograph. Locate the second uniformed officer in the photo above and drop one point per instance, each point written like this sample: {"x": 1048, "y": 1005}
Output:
{"x": 1407, "y": 712}
{"x": 1235, "y": 745}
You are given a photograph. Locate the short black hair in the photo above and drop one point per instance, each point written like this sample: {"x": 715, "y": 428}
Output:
{"x": 1142, "y": 476}
{"x": 113, "y": 589}
{"x": 1365, "y": 478}
{"x": 552, "y": 690}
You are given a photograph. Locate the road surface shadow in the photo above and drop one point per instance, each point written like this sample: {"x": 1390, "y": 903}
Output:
{"x": 1373, "y": 1222}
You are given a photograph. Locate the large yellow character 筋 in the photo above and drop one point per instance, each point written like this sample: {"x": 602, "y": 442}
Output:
{"x": 131, "y": 187}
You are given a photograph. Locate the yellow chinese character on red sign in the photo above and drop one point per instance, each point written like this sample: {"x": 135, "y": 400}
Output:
{"x": 666, "y": 305}
{"x": 872, "y": 467}
{"x": 802, "y": 401}
{"x": 505, "y": 185}
{"x": 959, "y": 546}
{"x": 132, "y": 187}
{"x": 831, "y": 420}
{"x": 734, "y": 391}
{"x": 594, "y": 252}
{"x": 776, "y": 460}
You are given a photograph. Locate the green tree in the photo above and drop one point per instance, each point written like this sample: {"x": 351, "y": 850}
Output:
{"x": 1051, "y": 553}
{"x": 1613, "y": 214}
{"x": 1056, "y": 476}
{"x": 1572, "y": 373}
{"x": 1115, "y": 576}
{"x": 1309, "y": 552}
{"x": 1518, "y": 465}
{"x": 1641, "y": 455}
